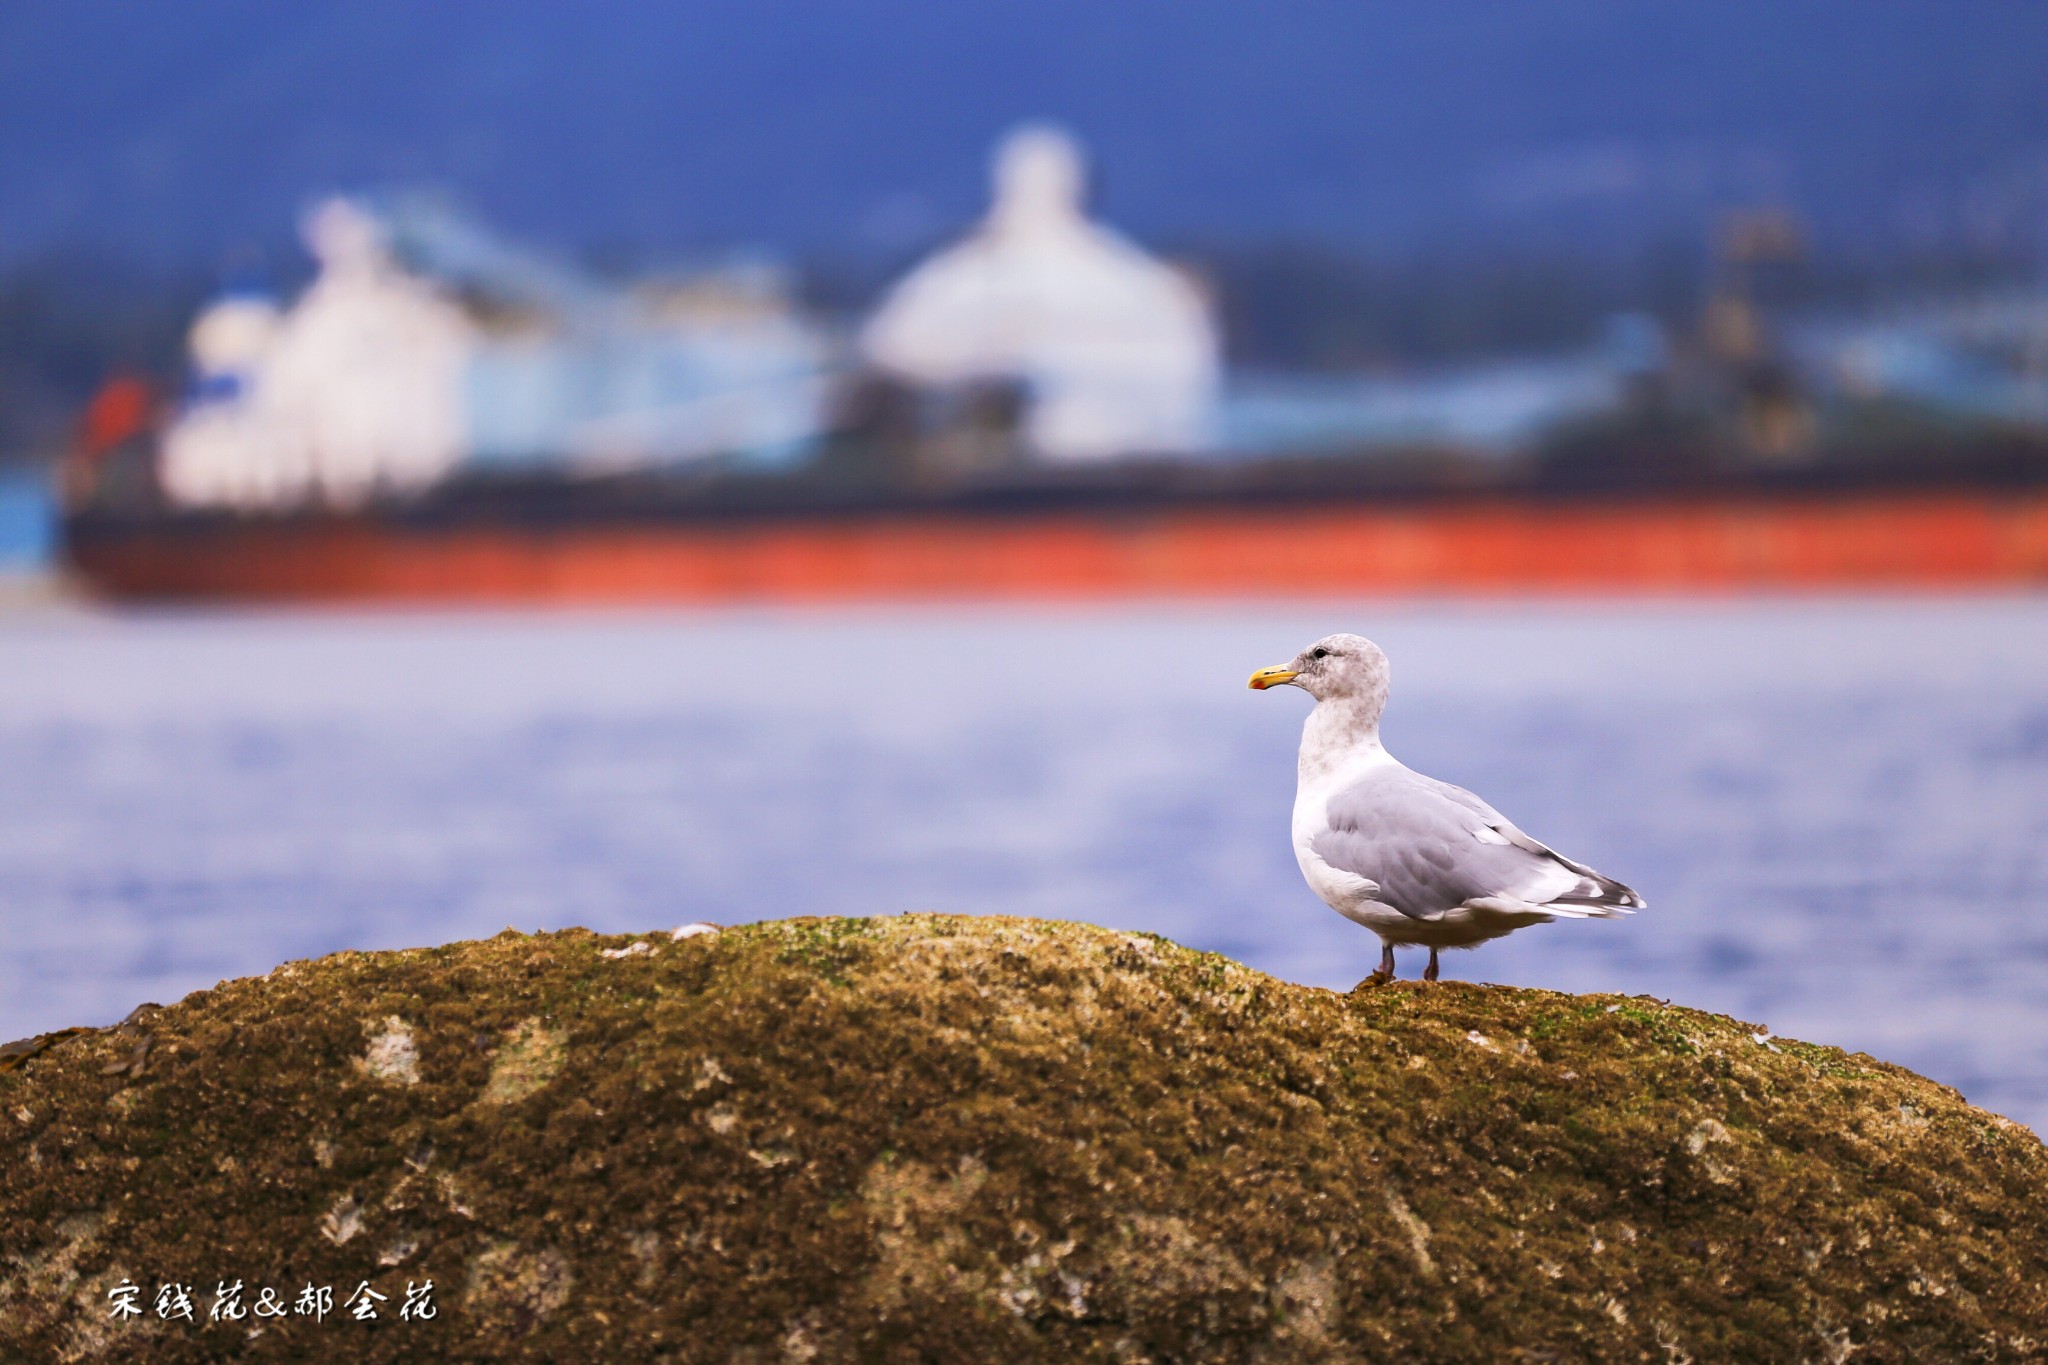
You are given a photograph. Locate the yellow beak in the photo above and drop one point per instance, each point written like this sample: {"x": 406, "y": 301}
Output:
{"x": 1270, "y": 677}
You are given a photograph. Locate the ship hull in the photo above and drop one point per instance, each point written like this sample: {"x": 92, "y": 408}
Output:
{"x": 1933, "y": 539}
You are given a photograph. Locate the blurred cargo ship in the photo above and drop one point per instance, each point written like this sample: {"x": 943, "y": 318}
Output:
{"x": 1135, "y": 535}
{"x": 1040, "y": 409}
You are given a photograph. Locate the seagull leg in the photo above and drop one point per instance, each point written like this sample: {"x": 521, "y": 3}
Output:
{"x": 1386, "y": 969}
{"x": 1429, "y": 972}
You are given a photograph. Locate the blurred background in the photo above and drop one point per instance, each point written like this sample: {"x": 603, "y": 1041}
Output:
{"x": 621, "y": 464}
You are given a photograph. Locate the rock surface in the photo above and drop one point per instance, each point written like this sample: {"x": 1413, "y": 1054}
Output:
{"x": 954, "y": 1139}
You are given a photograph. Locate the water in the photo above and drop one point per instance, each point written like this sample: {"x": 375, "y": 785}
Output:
{"x": 1838, "y": 810}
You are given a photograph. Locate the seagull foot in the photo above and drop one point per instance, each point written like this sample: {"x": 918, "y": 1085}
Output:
{"x": 1429, "y": 972}
{"x": 1385, "y": 973}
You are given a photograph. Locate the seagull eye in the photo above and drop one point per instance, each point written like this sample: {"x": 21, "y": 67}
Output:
{"x": 1322, "y": 653}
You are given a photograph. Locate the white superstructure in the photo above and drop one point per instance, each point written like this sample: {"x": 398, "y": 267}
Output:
{"x": 1116, "y": 352}
{"x": 356, "y": 390}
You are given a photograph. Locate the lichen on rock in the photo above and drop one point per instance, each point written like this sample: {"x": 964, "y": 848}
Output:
{"x": 391, "y": 1055}
{"x": 947, "y": 1138}
{"x": 531, "y": 1056}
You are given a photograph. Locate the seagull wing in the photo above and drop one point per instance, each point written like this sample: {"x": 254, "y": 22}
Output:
{"x": 1432, "y": 847}
{"x": 1595, "y": 890}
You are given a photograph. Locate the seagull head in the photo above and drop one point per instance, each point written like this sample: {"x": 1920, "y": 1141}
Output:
{"x": 1334, "y": 668}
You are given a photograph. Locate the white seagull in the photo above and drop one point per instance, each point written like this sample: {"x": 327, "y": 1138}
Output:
{"x": 1415, "y": 860}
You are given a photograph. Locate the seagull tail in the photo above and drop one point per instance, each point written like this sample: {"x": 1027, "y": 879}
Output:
{"x": 1596, "y": 897}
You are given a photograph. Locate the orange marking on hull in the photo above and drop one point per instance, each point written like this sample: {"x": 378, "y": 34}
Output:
{"x": 1945, "y": 540}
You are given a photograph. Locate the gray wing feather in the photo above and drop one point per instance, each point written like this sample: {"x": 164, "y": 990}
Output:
{"x": 1604, "y": 891}
{"x": 1415, "y": 836}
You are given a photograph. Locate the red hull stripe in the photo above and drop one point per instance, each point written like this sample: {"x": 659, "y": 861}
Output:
{"x": 1944, "y": 540}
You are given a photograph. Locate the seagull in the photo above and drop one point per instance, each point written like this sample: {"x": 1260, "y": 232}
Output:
{"x": 1417, "y": 861}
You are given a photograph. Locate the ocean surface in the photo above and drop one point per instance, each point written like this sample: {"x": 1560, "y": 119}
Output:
{"x": 1837, "y": 809}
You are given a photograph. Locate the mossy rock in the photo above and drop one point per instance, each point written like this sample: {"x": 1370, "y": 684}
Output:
{"x": 955, "y": 1139}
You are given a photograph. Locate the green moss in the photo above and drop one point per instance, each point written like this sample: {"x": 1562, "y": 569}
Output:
{"x": 943, "y": 1138}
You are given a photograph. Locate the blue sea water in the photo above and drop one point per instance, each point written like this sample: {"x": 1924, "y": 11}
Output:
{"x": 1838, "y": 809}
